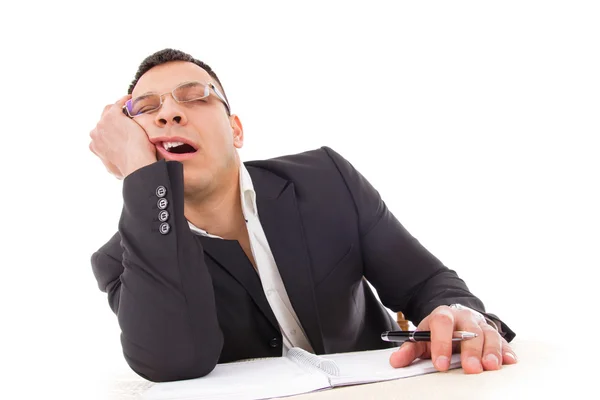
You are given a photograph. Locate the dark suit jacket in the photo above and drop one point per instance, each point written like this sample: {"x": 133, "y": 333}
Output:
{"x": 186, "y": 302}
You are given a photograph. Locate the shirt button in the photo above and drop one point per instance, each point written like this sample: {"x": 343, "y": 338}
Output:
{"x": 274, "y": 342}
{"x": 293, "y": 332}
{"x": 161, "y": 191}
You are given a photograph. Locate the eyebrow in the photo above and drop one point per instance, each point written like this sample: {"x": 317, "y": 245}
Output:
{"x": 179, "y": 84}
{"x": 143, "y": 96}
{"x": 147, "y": 94}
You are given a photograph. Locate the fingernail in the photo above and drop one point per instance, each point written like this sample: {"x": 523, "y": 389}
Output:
{"x": 511, "y": 356}
{"x": 492, "y": 359}
{"x": 442, "y": 363}
{"x": 474, "y": 363}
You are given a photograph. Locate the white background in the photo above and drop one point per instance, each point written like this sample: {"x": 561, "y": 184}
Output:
{"x": 477, "y": 122}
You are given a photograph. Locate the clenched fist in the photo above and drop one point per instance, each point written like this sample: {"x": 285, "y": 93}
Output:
{"x": 120, "y": 142}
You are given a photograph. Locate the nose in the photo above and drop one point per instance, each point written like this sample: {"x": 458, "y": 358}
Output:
{"x": 170, "y": 113}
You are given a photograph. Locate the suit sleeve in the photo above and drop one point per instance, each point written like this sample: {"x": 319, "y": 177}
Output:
{"x": 407, "y": 277}
{"x": 157, "y": 283}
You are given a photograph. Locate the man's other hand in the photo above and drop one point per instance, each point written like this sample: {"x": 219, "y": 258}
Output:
{"x": 488, "y": 351}
{"x": 120, "y": 142}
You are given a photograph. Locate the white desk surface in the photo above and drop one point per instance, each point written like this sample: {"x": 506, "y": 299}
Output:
{"x": 544, "y": 369}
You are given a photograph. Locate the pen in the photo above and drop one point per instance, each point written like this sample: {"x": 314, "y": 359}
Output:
{"x": 422, "y": 336}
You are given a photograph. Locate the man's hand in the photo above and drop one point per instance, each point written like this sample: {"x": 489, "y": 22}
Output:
{"x": 121, "y": 143}
{"x": 488, "y": 351}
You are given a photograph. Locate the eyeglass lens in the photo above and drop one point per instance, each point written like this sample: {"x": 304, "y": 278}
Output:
{"x": 183, "y": 93}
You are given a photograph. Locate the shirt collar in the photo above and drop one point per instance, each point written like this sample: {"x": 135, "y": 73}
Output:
{"x": 247, "y": 197}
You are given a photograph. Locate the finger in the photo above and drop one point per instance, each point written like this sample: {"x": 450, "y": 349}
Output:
{"x": 471, "y": 349}
{"x": 95, "y": 142}
{"x": 508, "y": 354}
{"x": 492, "y": 348}
{"x": 441, "y": 324}
{"x": 407, "y": 353}
{"x": 95, "y": 133}
{"x": 118, "y": 104}
{"x": 121, "y": 102}
{"x": 106, "y": 109}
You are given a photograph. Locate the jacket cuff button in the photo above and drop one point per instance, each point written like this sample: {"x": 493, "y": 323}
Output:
{"x": 161, "y": 191}
{"x": 163, "y": 216}
{"x": 164, "y": 228}
{"x": 162, "y": 203}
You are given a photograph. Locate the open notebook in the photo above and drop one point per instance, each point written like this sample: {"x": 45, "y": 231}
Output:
{"x": 298, "y": 372}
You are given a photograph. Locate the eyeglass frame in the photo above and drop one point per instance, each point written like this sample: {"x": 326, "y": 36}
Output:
{"x": 209, "y": 85}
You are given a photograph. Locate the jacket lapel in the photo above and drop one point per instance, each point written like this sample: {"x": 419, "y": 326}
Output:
{"x": 229, "y": 254}
{"x": 282, "y": 224}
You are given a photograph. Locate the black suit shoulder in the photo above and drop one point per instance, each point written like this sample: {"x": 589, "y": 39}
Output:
{"x": 310, "y": 170}
{"x": 307, "y": 161}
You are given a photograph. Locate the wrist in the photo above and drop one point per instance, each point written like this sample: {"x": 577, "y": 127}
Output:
{"x": 137, "y": 163}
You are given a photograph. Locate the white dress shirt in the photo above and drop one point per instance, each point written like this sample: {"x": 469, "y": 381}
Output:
{"x": 291, "y": 330}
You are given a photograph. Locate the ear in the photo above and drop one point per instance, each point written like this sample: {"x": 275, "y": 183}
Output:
{"x": 237, "y": 131}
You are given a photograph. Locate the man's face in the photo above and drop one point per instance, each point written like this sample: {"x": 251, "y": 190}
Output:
{"x": 210, "y": 135}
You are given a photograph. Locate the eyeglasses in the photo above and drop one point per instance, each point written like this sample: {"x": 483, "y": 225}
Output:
{"x": 184, "y": 93}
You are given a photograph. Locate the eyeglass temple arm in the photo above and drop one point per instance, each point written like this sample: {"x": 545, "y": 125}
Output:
{"x": 222, "y": 97}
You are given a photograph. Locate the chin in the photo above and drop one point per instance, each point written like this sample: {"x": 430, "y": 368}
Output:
{"x": 195, "y": 181}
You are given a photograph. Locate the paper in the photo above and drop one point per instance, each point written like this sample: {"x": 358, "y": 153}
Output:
{"x": 257, "y": 379}
{"x": 374, "y": 366}
{"x": 299, "y": 372}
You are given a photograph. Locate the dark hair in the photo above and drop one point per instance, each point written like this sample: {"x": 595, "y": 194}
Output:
{"x": 167, "y": 55}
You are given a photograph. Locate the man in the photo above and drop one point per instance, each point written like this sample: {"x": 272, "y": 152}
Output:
{"x": 216, "y": 260}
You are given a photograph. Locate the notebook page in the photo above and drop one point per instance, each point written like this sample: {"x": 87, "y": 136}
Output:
{"x": 310, "y": 360}
{"x": 256, "y": 379}
{"x": 374, "y": 366}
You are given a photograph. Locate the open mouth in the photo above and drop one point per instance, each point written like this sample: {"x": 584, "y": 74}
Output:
{"x": 178, "y": 147}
